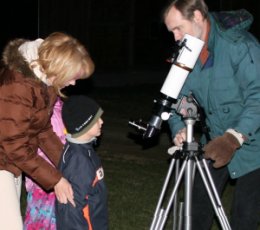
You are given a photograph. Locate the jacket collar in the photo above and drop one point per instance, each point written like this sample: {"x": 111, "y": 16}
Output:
{"x": 228, "y": 22}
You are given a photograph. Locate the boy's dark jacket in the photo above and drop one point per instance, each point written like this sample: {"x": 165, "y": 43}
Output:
{"x": 81, "y": 166}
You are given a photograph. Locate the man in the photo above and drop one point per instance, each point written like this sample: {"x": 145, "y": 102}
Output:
{"x": 226, "y": 83}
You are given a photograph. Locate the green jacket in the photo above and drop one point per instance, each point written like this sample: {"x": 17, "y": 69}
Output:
{"x": 228, "y": 87}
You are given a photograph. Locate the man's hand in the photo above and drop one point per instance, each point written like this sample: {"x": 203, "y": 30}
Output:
{"x": 180, "y": 137}
{"x": 221, "y": 149}
{"x": 64, "y": 192}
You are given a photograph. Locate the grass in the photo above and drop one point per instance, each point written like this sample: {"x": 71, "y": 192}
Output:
{"x": 134, "y": 170}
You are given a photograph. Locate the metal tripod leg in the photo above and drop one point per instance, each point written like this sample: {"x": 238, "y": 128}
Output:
{"x": 213, "y": 194}
{"x": 158, "y": 211}
{"x": 161, "y": 214}
{"x": 177, "y": 207}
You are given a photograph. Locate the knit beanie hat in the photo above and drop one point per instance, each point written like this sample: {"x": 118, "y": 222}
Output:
{"x": 79, "y": 114}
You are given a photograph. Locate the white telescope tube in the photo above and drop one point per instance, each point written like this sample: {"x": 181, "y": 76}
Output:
{"x": 182, "y": 66}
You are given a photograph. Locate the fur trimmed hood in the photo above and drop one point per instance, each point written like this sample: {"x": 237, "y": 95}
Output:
{"x": 13, "y": 60}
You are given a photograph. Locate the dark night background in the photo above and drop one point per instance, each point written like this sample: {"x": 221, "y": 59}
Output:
{"x": 121, "y": 35}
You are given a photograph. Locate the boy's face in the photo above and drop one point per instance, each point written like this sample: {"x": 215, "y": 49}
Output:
{"x": 94, "y": 131}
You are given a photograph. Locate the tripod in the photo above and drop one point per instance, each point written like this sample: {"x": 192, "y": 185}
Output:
{"x": 192, "y": 160}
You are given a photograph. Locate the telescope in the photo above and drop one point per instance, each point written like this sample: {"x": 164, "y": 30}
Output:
{"x": 183, "y": 60}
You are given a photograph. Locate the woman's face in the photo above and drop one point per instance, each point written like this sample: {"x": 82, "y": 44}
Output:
{"x": 75, "y": 78}
{"x": 71, "y": 81}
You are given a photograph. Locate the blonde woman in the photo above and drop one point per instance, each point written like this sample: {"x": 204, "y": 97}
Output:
{"x": 32, "y": 75}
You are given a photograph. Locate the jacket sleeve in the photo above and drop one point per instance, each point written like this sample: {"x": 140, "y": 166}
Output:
{"x": 246, "y": 60}
{"x": 15, "y": 125}
{"x": 175, "y": 123}
{"x": 50, "y": 144}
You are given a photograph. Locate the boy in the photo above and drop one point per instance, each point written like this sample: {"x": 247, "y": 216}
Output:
{"x": 81, "y": 166}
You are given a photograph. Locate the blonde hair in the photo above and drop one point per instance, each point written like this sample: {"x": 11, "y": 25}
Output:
{"x": 63, "y": 57}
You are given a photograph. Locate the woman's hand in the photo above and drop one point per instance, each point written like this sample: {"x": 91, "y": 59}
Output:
{"x": 64, "y": 192}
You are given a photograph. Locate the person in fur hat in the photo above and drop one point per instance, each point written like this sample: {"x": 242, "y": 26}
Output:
{"x": 32, "y": 74}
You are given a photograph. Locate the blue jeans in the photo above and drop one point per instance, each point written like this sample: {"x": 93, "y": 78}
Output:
{"x": 245, "y": 210}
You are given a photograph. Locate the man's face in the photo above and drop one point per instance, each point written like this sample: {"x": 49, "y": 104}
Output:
{"x": 179, "y": 26}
